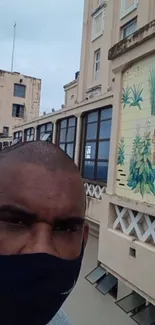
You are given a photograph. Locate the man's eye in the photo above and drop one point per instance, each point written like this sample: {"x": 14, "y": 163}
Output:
{"x": 66, "y": 229}
{"x": 19, "y": 223}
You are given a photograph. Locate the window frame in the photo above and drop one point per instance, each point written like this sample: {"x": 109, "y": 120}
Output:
{"x": 65, "y": 143}
{"x": 97, "y": 141}
{"x": 18, "y": 105}
{"x": 27, "y": 137}
{"x": 124, "y": 12}
{"x": 19, "y": 133}
{"x": 95, "y": 15}
{"x": 15, "y": 91}
{"x": 44, "y": 132}
{"x": 6, "y": 134}
{"x": 124, "y": 27}
{"x": 96, "y": 72}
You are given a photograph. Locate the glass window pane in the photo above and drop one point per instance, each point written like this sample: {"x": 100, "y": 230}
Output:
{"x": 72, "y": 121}
{"x": 28, "y": 131}
{"x": 63, "y": 124}
{"x": 103, "y": 151}
{"x": 49, "y": 127}
{"x": 63, "y": 135}
{"x": 91, "y": 131}
{"x": 88, "y": 171}
{"x": 93, "y": 117}
{"x": 90, "y": 150}
{"x": 102, "y": 171}
{"x": 62, "y": 146}
{"x": 106, "y": 113}
{"x": 70, "y": 150}
{"x": 105, "y": 130}
{"x": 70, "y": 134}
{"x": 42, "y": 128}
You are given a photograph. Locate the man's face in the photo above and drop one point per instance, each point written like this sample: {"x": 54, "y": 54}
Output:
{"x": 41, "y": 211}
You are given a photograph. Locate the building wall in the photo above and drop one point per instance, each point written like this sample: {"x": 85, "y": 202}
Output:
{"x": 136, "y": 153}
{"x": 7, "y": 99}
{"x": 71, "y": 94}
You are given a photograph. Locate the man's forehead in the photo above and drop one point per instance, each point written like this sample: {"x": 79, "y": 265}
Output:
{"x": 39, "y": 189}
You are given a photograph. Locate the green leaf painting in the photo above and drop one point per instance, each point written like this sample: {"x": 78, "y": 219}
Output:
{"x": 136, "y": 97}
{"x": 126, "y": 96}
{"x": 132, "y": 96}
{"x": 152, "y": 90}
{"x": 121, "y": 152}
{"x": 141, "y": 174}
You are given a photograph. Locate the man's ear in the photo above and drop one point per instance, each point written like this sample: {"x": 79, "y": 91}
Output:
{"x": 86, "y": 233}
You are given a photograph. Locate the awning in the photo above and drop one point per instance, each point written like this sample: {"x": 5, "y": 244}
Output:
{"x": 15, "y": 142}
{"x": 107, "y": 284}
{"x": 131, "y": 302}
{"x": 145, "y": 316}
{"x": 95, "y": 275}
{"x": 45, "y": 137}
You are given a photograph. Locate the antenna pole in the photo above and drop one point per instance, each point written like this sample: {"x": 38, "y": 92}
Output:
{"x": 13, "y": 47}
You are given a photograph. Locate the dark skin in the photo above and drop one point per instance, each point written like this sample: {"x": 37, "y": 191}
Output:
{"x": 41, "y": 211}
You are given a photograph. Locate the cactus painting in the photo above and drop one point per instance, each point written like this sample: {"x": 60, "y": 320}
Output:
{"x": 126, "y": 96}
{"x": 136, "y": 97}
{"x": 141, "y": 174}
{"x": 121, "y": 152}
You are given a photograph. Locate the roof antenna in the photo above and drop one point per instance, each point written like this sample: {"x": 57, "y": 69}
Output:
{"x": 13, "y": 47}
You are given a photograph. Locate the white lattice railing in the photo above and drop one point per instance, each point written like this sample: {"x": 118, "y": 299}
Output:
{"x": 134, "y": 223}
{"x": 94, "y": 191}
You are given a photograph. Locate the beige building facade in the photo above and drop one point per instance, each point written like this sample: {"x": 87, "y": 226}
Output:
{"x": 107, "y": 125}
{"x": 19, "y": 102}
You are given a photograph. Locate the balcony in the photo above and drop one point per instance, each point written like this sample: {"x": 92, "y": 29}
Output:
{"x": 127, "y": 243}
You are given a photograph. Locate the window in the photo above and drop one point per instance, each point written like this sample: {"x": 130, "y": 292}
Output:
{"x": 98, "y": 24}
{"x": 97, "y": 144}
{"x": 129, "y": 28}
{"x": 67, "y": 135}
{"x": 18, "y": 110}
{"x": 45, "y": 132}
{"x": 127, "y": 6}
{"x": 19, "y": 90}
{"x": 17, "y": 135}
{"x": 29, "y": 134}
{"x": 5, "y": 144}
{"x": 97, "y": 55}
{"x": 5, "y": 131}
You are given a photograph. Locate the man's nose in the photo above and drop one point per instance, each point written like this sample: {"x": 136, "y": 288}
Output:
{"x": 40, "y": 240}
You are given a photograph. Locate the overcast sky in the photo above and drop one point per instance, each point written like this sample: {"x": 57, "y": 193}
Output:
{"x": 48, "y": 43}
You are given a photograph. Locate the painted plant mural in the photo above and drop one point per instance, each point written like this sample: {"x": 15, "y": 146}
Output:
{"x": 132, "y": 96}
{"x": 152, "y": 90}
{"x": 121, "y": 152}
{"x": 136, "y": 149}
{"x": 141, "y": 174}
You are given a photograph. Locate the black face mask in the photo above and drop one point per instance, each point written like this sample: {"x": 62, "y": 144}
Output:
{"x": 34, "y": 287}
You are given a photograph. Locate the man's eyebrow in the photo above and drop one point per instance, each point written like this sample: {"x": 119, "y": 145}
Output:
{"x": 68, "y": 221}
{"x": 8, "y": 212}
{"x": 13, "y": 212}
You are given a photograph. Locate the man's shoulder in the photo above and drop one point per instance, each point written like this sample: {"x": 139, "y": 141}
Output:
{"x": 60, "y": 319}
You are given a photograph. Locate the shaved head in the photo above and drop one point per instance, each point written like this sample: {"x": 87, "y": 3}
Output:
{"x": 40, "y": 153}
{"x": 40, "y": 181}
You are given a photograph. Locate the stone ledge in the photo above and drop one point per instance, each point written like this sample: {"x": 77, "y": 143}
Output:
{"x": 139, "y": 37}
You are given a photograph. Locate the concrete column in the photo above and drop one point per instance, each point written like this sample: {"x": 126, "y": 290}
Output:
{"x": 54, "y": 132}
{"x": 114, "y": 135}
{"x": 35, "y": 133}
{"x": 78, "y": 140}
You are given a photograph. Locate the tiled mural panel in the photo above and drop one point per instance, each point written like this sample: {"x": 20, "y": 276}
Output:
{"x": 136, "y": 149}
